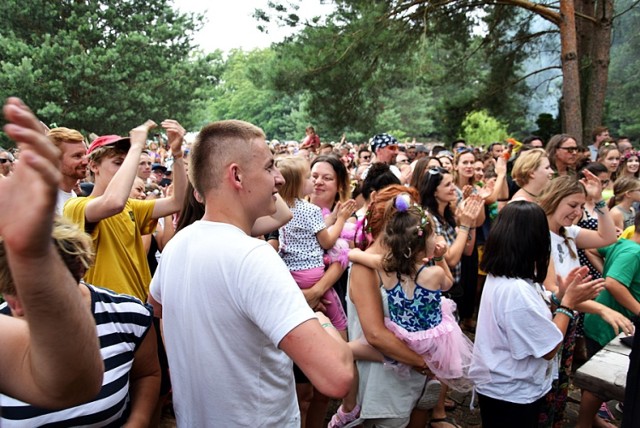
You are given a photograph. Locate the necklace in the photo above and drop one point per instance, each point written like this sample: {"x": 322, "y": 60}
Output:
{"x": 529, "y": 193}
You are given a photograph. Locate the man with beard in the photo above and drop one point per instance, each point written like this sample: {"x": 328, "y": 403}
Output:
{"x": 73, "y": 162}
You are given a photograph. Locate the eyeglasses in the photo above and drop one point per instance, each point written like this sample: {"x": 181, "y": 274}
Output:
{"x": 392, "y": 147}
{"x": 569, "y": 149}
{"x": 3, "y": 160}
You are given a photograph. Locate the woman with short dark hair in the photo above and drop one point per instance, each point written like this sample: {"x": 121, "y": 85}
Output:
{"x": 517, "y": 335}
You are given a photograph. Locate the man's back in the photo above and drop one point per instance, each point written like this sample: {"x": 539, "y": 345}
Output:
{"x": 228, "y": 300}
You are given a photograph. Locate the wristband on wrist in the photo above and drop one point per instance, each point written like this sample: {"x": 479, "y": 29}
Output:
{"x": 599, "y": 207}
{"x": 438, "y": 259}
{"x": 555, "y": 299}
{"x": 177, "y": 156}
{"x": 565, "y": 308}
{"x": 465, "y": 228}
{"x": 563, "y": 311}
{"x": 327, "y": 324}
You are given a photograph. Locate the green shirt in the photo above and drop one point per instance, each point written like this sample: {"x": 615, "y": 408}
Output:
{"x": 622, "y": 263}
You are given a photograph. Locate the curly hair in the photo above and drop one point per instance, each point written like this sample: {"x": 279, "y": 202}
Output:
{"x": 375, "y": 220}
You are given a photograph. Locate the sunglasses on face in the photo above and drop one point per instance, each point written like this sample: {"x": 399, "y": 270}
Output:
{"x": 2, "y": 160}
{"x": 365, "y": 157}
{"x": 569, "y": 149}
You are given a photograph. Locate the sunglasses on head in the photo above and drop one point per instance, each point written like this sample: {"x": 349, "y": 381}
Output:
{"x": 436, "y": 170}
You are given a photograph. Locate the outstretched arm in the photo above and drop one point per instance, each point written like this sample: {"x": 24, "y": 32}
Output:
{"x": 173, "y": 203}
{"x": 52, "y": 358}
{"x": 115, "y": 196}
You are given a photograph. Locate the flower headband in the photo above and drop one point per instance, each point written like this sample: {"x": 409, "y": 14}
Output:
{"x": 403, "y": 203}
{"x": 630, "y": 154}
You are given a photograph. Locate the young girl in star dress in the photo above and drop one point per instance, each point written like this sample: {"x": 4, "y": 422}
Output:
{"x": 418, "y": 313}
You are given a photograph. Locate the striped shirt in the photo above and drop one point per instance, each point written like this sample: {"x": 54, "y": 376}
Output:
{"x": 122, "y": 323}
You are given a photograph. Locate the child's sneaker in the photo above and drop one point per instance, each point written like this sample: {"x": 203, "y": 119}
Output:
{"x": 342, "y": 419}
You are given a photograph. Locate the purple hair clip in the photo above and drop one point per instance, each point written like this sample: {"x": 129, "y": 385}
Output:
{"x": 403, "y": 202}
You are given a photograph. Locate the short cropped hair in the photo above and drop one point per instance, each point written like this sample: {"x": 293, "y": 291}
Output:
{"x": 527, "y": 163}
{"x": 597, "y": 131}
{"x": 74, "y": 246}
{"x": 217, "y": 145}
{"x": 65, "y": 135}
{"x": 504, "y": 252}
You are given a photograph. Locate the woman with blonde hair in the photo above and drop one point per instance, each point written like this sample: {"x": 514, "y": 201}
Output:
{"x": 532, "y": 172}
{"x": 563, "y": 203}
{"x": 609, "y": 156}
{"x": 626, "y": 191}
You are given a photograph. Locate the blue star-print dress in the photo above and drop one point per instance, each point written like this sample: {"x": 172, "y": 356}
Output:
{"x": 424, "y": 320}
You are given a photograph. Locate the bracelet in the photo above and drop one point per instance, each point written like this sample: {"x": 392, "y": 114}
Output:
{"x": 438, "y": 259}
{"x": 177, "y": 156}
{"x": 599, "y": 207}
{"x": 565, "y": 312}
{"x": 555, "y": 299}
{"x": 327, "y": 324}
{"x": 566, "y": 308}
{"x": 465, "y": 228}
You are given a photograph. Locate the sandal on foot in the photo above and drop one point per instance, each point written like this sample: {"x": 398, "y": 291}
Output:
{"x": 430, "y": 395}
{"x": 447, "y": 420}
{"x": 342, "y": 418}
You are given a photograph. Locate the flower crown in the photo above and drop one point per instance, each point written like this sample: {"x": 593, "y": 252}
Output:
{"x": 403, "y": 203}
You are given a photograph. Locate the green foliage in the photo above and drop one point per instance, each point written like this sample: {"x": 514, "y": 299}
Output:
{"x": 243, "y": 93}
{"x": 480, "y": 129}
{"x": 402, "y": 65}
{"x": 103, "y": 66}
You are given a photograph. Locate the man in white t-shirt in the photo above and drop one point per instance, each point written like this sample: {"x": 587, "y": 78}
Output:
{"x": 73, "y": 163}
{"x": 233, "y": 316}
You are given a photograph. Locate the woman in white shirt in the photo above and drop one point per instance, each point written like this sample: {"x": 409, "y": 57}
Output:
{"x": 517, "y": 335}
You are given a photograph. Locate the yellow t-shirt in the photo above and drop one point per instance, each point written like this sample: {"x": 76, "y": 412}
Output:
{"x": 121, "y": 262}
{"x": 628, "y": 233}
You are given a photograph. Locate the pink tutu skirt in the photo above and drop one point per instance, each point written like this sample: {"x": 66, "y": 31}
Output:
{"x": 445, "y": 348}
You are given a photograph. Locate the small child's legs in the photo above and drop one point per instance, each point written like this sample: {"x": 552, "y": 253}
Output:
{"x": 307, "y": 278}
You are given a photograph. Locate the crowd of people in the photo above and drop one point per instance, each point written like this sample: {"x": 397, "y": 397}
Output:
{"x": 247, "y": 282}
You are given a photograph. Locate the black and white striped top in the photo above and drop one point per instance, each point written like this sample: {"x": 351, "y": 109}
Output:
{"x": 122, "y": 323}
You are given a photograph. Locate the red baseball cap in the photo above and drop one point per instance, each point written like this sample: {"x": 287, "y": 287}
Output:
{"x": 110, "y": 140}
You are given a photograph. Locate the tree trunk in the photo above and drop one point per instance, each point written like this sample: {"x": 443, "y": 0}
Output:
{"x": 570, "y": 71}
{"x": 598, "y": 74}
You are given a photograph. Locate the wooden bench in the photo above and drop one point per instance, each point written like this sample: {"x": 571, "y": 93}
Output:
{"x": 605, "y": 374}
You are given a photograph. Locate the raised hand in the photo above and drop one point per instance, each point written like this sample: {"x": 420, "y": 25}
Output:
{"x": 138, "y": 135}
{"x": 592, "y": 185}
{"x": 29, "y": 194}
{"x": 175, "y": 133}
